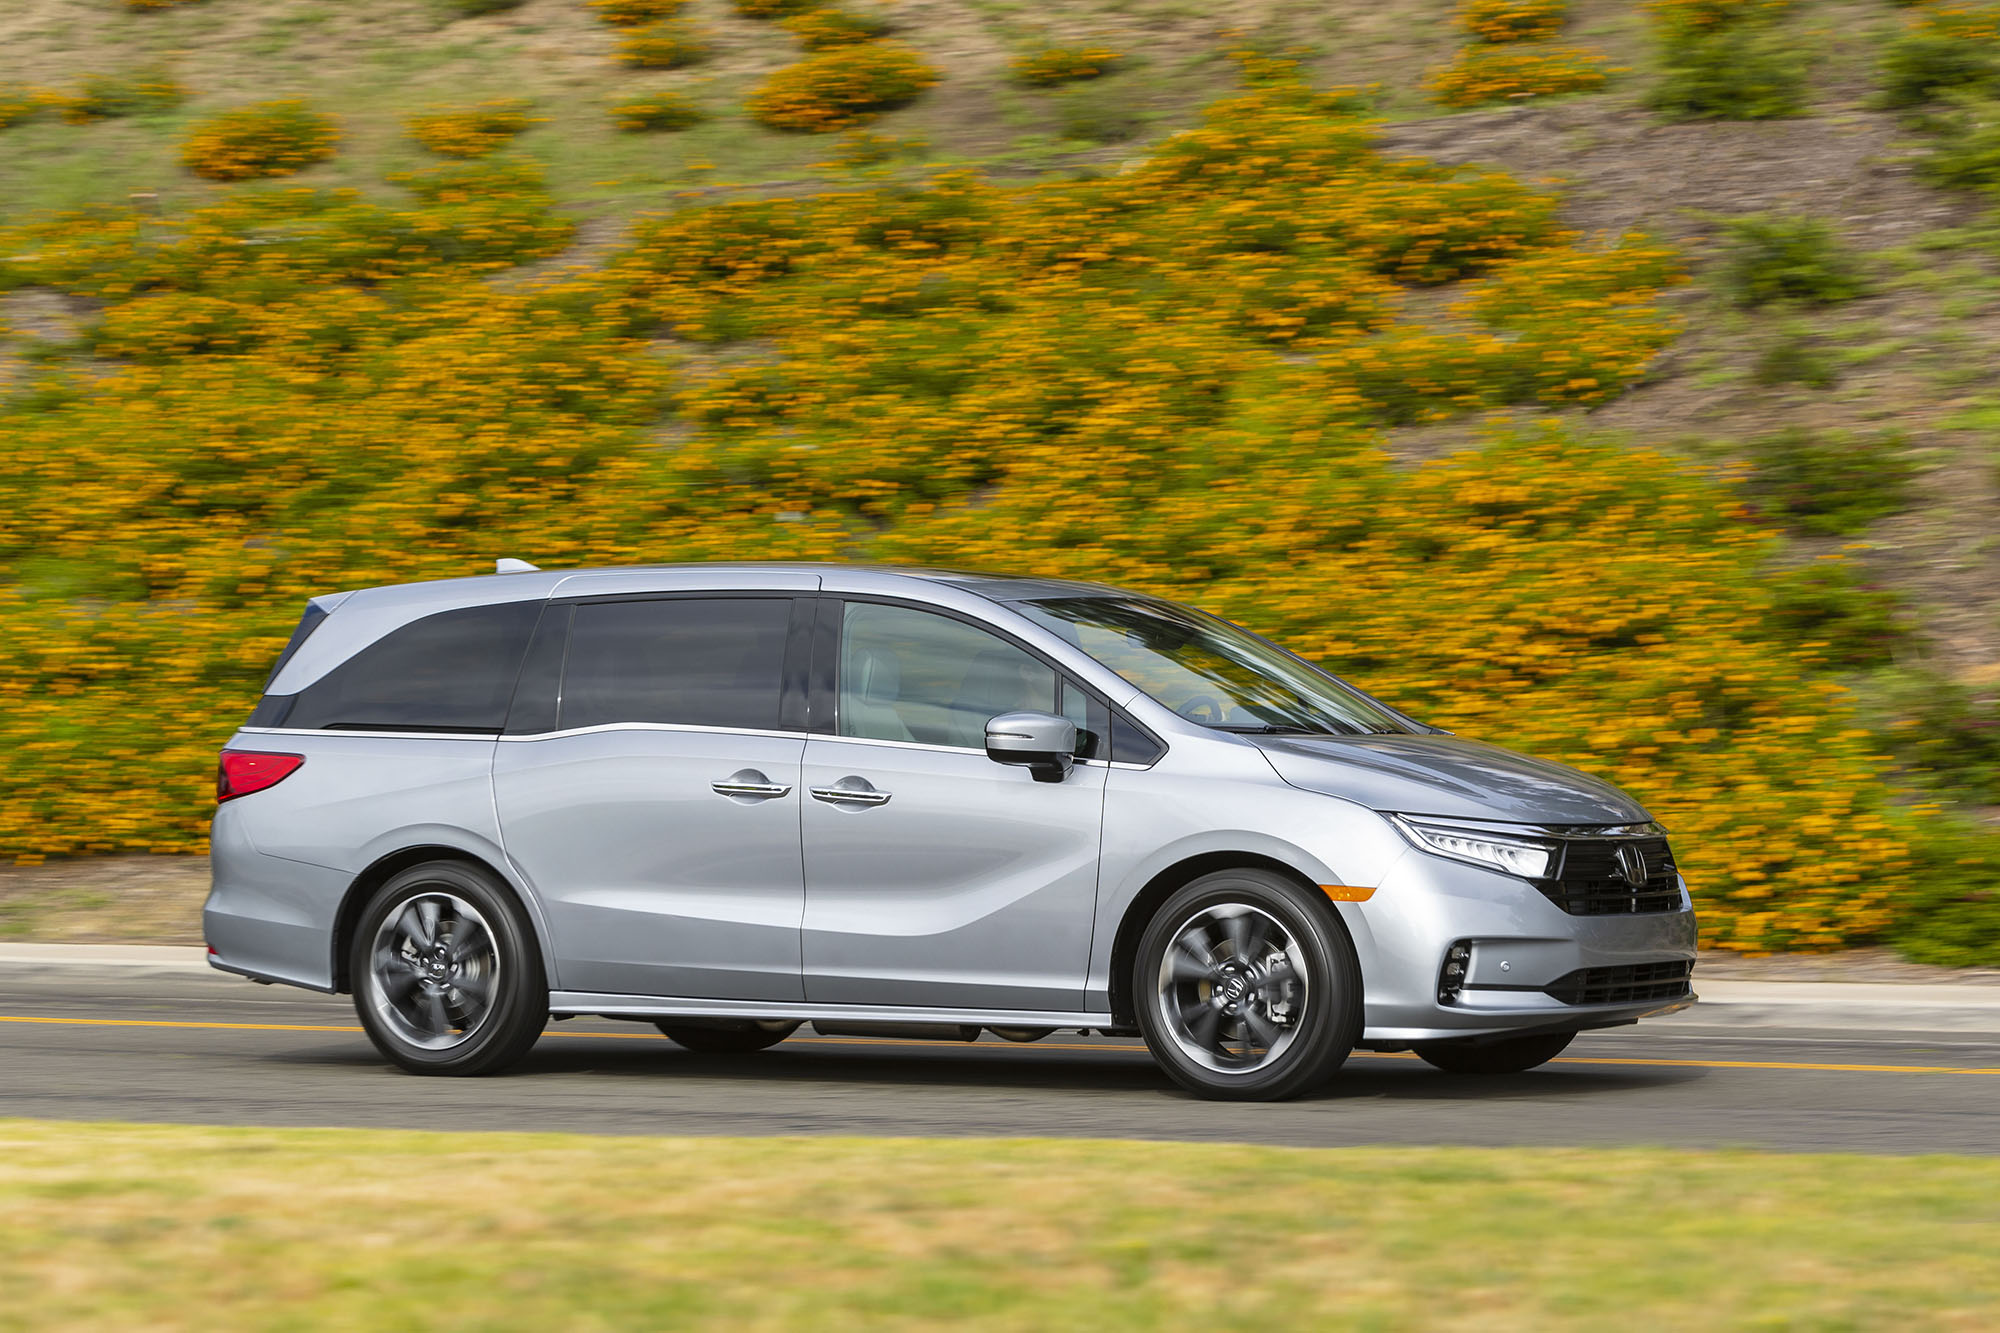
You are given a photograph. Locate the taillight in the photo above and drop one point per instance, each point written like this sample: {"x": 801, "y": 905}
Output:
{"x": 244, "y": 771}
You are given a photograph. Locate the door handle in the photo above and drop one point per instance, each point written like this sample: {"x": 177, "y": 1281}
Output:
{"x": 749, "y": 784}
{"x": 850, "y": 791}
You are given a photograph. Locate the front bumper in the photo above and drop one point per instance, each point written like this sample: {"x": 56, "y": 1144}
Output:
{"x": 1520, "y": 943}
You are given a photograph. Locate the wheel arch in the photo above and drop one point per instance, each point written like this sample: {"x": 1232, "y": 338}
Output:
{"x": 1163, "y": 885}
{"x": 386, "y": 867}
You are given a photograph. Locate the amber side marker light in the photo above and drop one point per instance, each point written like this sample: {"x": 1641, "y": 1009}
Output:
{"x": 1346, "y": 893}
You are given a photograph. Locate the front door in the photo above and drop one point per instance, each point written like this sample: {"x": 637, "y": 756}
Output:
{"x": 935, "y": 876}
{"x": 659, "y": 821}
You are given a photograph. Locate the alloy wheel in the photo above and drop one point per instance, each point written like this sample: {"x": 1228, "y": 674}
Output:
{"x": 1233, "y": 988}
{"x": 435, "y": 971}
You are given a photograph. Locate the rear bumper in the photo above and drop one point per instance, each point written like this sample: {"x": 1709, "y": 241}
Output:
{"x": 1520, "y": 943}
{"x": 268, "y": 917}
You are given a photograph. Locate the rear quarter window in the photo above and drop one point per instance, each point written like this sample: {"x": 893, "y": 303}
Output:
{"x": 453, "y": 671}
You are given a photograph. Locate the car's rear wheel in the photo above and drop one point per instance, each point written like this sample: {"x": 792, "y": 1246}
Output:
{"x": 727, "y": 1038}
{"x": 447, "y": 978}
{"x": 1509, "y": 1056}
{"x": 1246, "y": 987}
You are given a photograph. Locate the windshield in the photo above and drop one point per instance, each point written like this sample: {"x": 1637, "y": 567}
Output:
{"x": 1209, "y": 671}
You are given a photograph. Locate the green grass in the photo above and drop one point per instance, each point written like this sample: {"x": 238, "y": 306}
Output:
{"x": 160, "y": 1227}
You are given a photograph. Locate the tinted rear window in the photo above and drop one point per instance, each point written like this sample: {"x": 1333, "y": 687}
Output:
{"x": 453, "y": 671}
{"x": 300, "y": 633}
{"x": 709, "y": 662}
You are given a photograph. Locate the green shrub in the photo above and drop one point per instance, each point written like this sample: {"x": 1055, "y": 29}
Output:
{"x": 114, "y": 96}
{"x": 474, "y": 8}
{"x": 1950, "y": 914}
{"x": 1946, "y": 735}
{"x": 1099, "y": 115}
{"x": 1965, "y": 149}
{"x": 1743, "y": 71}
{"x": 667, "y": 44}
{"x": 771, "y": 9}
{"x": 1793, "y": 358}
{"x": 1834, "y": 483}
{"x": 661, "y": 111}
{"x": 1944, "y": 50}
{"x": 1830, "y": 610}
{"x": 822, "y": 29}
{"x": 1775, "y": 257}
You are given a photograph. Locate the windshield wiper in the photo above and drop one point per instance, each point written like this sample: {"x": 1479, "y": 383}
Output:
{"x": 1270, "y": 729}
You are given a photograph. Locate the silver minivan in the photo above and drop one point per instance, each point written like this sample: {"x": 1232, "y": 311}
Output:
{"x": 732, "y": 799}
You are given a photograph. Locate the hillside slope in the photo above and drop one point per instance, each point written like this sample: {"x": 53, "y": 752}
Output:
{"x": 227, "y": 397}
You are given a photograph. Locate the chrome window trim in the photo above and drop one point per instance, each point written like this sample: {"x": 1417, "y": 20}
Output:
{"x": 958, "y": 749}
{"x": 487, "y": 736}
{"x": 648, "y": 726}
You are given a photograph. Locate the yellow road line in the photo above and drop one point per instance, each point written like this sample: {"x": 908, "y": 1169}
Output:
{"x": 1040, "y": 1045}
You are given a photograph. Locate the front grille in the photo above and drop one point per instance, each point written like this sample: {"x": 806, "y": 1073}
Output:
{"x": 1591, "y": 879}
{"x": 1627, "y": 983}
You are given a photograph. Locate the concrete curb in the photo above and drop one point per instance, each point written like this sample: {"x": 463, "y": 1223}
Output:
{"x": 1845, "y": 1006}
{"x": 1797, "y": 1005}
{"x": 120, "y": 957}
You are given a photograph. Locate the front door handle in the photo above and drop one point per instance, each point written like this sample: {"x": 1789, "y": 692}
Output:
{"x": 850, "y": 791}
{"x": 747, "y": 784}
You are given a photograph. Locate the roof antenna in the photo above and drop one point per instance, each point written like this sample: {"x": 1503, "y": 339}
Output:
{"x": 507, "y": 566}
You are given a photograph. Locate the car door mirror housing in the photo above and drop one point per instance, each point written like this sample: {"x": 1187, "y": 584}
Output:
{"x": 1042, "y": 743}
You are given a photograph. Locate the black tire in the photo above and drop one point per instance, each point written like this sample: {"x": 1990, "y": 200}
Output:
{"x": 1511, "y": 1056}
{"x": 481, "y": 1038}
{"x": 727, "y": 1038}
{"x": 1317, "y": 1025}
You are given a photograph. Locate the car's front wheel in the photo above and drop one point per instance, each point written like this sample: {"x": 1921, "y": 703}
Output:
{"x": 1509, "y": 1056}
{"x": 447, "y": 978}
{"x": 1246, "y": 987}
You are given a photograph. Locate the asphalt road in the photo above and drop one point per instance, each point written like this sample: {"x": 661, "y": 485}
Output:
{"x": 89, "y": 1045}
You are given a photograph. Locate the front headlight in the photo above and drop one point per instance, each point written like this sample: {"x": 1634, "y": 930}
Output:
{"x": 1515, "y": 853}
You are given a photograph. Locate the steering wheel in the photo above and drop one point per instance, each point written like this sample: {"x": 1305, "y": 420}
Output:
{"x": 1203, "y": 708}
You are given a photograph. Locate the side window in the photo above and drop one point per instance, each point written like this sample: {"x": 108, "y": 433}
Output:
{"x": 909, "y": 675}
{"x": 453, "y": 671}
{"x": 1129, "y": 745}
{"x": 695, "y": 661}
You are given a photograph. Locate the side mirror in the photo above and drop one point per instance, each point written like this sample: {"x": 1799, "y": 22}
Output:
{"x": 1042, "y": 743}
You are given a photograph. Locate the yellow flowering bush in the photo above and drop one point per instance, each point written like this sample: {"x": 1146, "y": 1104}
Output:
{"x": 1064, "y": 64}
{"x": 17, "y": 104}
{"x": 112, "y": 96}
{"x": 841, "y": 87}
{"x": 771, "y": 9}
{"x": 665, "y": 44}
{"x": 1175, "y": 378}
{"x": 262, "y": 139}
{"x": 820, "y": 29}
{"x": 660, "y": 111}
{"x": 635, "y": 13}
{"x": 1512, "y": 20}
{"x": 1700, "y": 15}
{"x": 1488, "y": 73}
{"x": 469, "y": 131}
